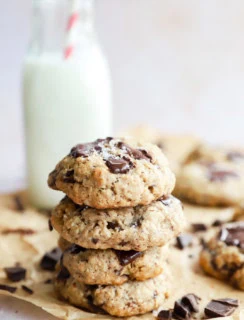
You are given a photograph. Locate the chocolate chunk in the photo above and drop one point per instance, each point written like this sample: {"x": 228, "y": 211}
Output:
{"x": 233, "y": 235}
{"x": 184, "y": 240}
{"x": 86, "y": 149}
{"x": 235, "y": 156}
{"x": 217, "y": 223}
{"x": 166, "y": 200}
{"x": 15, "y": 274}
{"x": 49, "y": 260}
{"x": 19, "y": 231}
{"x": 181, "y": 311}
{"x": 137, "y": 154}
{"x": 215, "y": 309}
{"x": 63, "y": 274}
{"x": 18, "y": 204}
{"x": 27, "y": 289}
{"x": 94, "y": 240}
{"x": 165, "y": 315}
{"x": 69, "y": 177}
{"x": 75, "y": 249}
{"x": 7, "y": 288}
{"x": 126, "y": 257}
{"x": 199, "y": 227}
{"x": 191, "y": 301}
{"x": 221, "y": 175}
{"x": 50, "y": 225}
{"x": 119, "y": 165}
{"x": 113, "y": 225}
{"x": 228, "y": 301}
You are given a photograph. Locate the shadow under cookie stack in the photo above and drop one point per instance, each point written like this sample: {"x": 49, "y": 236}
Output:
{"x": 115, "y": 223}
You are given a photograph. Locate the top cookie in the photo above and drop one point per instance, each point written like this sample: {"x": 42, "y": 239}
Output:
{"x": 113, "y": 173}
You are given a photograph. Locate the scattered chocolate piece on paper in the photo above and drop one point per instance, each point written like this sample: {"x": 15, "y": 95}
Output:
{"x": 15, "y": 274}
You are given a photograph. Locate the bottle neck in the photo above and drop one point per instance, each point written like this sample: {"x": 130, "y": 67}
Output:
{"x": 57, "y": 24}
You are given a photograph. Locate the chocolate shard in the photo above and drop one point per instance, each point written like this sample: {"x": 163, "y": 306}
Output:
{"x": 49, "y": 260}
{"x": 217, "y": 223}
{"x": 184, "y": 240}
{"x": 165, "y": 315}
{"x": 75, "y": 249}
{"x": 126, "y": 257}
{"x": 7, "y": 288}
{"x": 215, "y": 309}
{"x": 233, "y": 235}
{"x": 63, "y": 274}
{"x": 27, "y": 289}
{"x": 228, "y": 301}
{"x": 196, "y": 227}
{"x": 119, "y": 165}
{"x": 191, "y": 301}
{"x": 181, "y": 311}
{"x": 15, "y": 274}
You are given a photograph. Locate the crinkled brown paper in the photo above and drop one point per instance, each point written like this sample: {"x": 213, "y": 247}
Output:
{"x": 25, "y": 237}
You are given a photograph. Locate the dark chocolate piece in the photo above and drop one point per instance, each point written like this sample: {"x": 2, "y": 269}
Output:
{"x": 184, "y": 240}
{"x": 69, "y": 177}
{"x": 75, "y": 249}
{"x": 215, "y": 309}
{"x": 50, "y": 259}
{"x": 48, "y": 281}
{"x": 7, "y": 288}
{"x": 165, "y": 315}
{"x": 94, "y": 240}
{"x": 228, "y": 301}
{"x": 86, "y": 149}
{"x": 217, "y": 223}
{"x": 233, "y": 236}
{"x": 119, "y": 165}
{"x": 221, "y": 175}
{"x": 113, "y": 225}
{"x": 27, "y": 289}
{"x": 50, "y": 225}
{"x": 199, "y": 227}
{"x": 18, "y": 203}
{"x": 137, "y": 154}
{"x": 126, "y": 257}
{"x": 191, "y": 301}
{"x": 181, "y": 311}
{"x": 15, "y": 274}
{"x": 63, "y": 274}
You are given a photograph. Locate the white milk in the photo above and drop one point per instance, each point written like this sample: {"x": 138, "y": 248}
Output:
{"x": 66, "y": 102}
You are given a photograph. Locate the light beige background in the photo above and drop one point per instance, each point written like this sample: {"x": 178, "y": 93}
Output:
{"x": 176, "y": 64}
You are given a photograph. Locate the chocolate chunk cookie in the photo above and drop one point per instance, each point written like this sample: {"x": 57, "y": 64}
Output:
{"x": 223, "y": 256}
{"x": 113, "y": 266}
{"x": 211, "y": 183}
{"x": 113, "y": 173}
{"x": 133, "y": 228}
{"x": 131, "y": 298}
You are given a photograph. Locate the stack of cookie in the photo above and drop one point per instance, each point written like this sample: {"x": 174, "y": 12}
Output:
{"x": 115, "y": 223}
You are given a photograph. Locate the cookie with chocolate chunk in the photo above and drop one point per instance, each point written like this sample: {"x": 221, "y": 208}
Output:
{"x": 113, "y": 173}
{"x": 113, "y": 266}
{"x": 133, "y": 228}
{"x": 131, "y": 298}
{"x": 211, "y": 183}
{"x": 223, "y": 256}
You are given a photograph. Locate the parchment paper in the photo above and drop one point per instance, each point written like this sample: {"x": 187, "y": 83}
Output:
{"x": 28, "y": 249}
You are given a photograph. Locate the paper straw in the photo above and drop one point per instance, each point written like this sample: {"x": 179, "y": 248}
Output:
{"x": 72, "y": 28}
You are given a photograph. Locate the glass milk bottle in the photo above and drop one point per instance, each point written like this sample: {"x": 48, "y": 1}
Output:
{"x": 66, "y": 90}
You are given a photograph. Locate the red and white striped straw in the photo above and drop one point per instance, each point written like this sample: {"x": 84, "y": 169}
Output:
{"x": 72, "y": 28}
